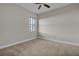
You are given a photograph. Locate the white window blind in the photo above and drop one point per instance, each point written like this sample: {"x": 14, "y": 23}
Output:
{"x": 32, "y": 24}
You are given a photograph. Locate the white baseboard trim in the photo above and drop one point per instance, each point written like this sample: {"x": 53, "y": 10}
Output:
{"x": 60, "y": 41}
{"x": 5, "y": 46}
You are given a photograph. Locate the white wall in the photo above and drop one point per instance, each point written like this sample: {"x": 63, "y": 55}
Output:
{"x": 62, "y": 24}
{"x": 14, "y": 24}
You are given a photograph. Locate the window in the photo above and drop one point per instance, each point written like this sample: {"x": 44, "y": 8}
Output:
{"x": 32, "y": 24}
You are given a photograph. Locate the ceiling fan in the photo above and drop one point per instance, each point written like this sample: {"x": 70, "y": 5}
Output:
{"x": 42, "y": 4}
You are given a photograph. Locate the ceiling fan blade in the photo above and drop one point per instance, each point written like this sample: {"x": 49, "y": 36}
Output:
{"x": 37, "y": 3}
{"x": 39, "y": 7}
{"x": 46, "y": 5}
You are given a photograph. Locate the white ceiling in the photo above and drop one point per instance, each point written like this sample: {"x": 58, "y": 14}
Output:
{"x": 34, "y": 8}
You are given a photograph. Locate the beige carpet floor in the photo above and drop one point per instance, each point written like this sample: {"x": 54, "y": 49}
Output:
{"x": 40, "y": 47}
